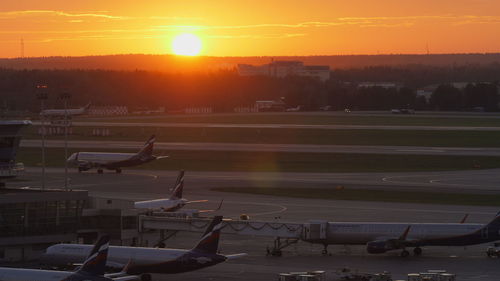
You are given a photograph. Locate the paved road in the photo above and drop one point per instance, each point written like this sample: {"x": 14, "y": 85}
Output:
{"x": 419, "y": 150}
{"x": 469, "y": 263}
{"x": 277, "y": 126}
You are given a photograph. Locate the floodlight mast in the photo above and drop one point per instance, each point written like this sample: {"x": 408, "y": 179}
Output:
{"x": 42, "y": 95}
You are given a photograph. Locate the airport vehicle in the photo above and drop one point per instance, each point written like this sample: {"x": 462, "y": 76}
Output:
{"x": 174, "y": 203}
{"x": 383, "y": 237}
{"x": 143, "y": 261}
{"x": 91, "y": 270}
{"x": 60, "y": 113}
{"x": 113, "y": 161}
{"x": 493, "y": 251}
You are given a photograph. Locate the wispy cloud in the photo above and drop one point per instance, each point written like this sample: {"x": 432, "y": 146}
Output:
{"x": 111, "y": 27}
{"x": 261, "y": 36}
{"x": 15, "y": 14}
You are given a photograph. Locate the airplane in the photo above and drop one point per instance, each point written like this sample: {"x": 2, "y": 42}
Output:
{"x": 144, "y": 261}
{"x": 383, "y": 237}
{"x": 113, "y": 161}
{"x": 60, "y": 113}
{"x": 91, "y": 270}
{"x": 174, "y": 203}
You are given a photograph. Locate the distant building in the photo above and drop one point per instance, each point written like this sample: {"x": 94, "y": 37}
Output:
{"x": 270, "y": 105}
{"x": 108, "y": 110}
{"x": 385, "y": 85}
{"x": 425, "y": 93}
{"x": 286, "y": 68}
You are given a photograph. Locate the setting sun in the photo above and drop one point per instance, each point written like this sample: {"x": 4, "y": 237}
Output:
{"x": 186, "y": 45}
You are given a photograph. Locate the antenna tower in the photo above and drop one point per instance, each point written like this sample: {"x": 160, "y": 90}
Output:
{"x": 22, "y": 47}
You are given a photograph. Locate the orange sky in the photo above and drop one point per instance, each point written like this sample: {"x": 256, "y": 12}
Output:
{"x": 240, "y": 28}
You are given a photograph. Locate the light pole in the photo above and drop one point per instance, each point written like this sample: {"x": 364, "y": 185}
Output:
{"x": 65, "y": 96}
{"x": 42, "y": 94}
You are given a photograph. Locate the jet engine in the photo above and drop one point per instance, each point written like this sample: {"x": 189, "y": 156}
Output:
{"x": 377, "y": 247}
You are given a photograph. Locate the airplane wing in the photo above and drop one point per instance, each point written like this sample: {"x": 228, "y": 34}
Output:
{"x": 128, "y": 278}
{"x": 214, "y": 210}
{"x": 236, "y": 256}
{"x": 196, "y": 201}
{"x": 115, "y": 265}
{"x": 162, "y": 157}
{"x": 122, "y": 275}
{"x": 384, "y": 244}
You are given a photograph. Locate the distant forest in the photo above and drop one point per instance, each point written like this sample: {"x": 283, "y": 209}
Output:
{"x": 225, "y": 89}
{"x": 179, "y": 64}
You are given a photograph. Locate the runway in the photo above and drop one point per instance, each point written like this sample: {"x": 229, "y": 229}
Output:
{"x": 276, "y": 126}
{"x": 364, "y": 149}
{"x": 469, "y": 263}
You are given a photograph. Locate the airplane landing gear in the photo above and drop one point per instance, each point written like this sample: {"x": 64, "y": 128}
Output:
{"x": 118, "y": 171}
{"x": 405, "y": 253}
{"x": 417, "y": 251}
{"x": 325, "y": 250}
{"x": 100, "y": 171}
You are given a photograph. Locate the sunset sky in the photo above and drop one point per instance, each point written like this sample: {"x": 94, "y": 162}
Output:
{"x": 249, "y": 28}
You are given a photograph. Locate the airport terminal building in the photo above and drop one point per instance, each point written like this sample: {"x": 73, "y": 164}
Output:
{"x": 10, "y": 138}
{"x": 32, "y": 219}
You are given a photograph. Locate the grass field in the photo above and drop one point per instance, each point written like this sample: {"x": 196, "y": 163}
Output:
{"x": 320, "y": 119}
{"x": 285, "y": 162}
{"x": 373, "y": 195}
{"x": 294, "y": 136}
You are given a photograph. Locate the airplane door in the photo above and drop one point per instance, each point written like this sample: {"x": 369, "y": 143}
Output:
{"x": 484, "y": 233}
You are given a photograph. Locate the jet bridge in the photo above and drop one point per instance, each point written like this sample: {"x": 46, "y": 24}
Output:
{"x": 285, "y": 233}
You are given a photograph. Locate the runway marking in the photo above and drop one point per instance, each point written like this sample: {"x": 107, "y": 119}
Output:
{"x": 147, "y": 177}
{"x": 430, "y": 182}
{"x": 420, "y": 150}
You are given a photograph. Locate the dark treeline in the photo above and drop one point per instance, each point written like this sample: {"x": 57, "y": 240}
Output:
{"x": 175, "y": 64}
{"x": 417, "y": 76}
{"x": 224, "y": 90}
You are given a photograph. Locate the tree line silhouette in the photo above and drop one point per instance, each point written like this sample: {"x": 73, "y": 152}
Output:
{"x": 225, "y": 89}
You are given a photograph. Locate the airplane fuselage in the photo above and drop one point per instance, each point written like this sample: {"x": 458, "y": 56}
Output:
{"x": 74, "y": 253}
{"x": 18, "y": 274}
{"x": 362, "y": 233}
{"x": 108, "y": 160}
{"x": 142, "y": 260}
{"x": 168, "y": 205}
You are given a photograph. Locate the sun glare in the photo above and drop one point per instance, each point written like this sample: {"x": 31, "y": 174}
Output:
{"x": 186, "y": 45}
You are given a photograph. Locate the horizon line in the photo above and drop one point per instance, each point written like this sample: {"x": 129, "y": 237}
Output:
{"x": 257, "y": 56}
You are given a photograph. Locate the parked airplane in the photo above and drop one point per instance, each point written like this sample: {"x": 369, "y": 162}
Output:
{"x": 113, "y": 161}
{"x": 91, "y": 270}
{"x": 383, "y": 237}
{"x": 60, "y": 113}
{"x": 174, "y": 203}
{"x": 143, "y": 261}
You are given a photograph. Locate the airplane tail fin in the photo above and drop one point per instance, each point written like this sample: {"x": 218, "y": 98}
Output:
{"x": 87, "y": 107}
{"x": 494, "y": 225}
{"x": 147, "y": 149}
{"x": 95, "y": 263}
{"x": 209, "y": 242}
{"x": 179, "y": 186}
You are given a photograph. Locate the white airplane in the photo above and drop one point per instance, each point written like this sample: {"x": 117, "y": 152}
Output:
{"x": 91, "y": 270}
{"x": 60, "y": 113}
{"x": 113, "y": 161}
{"x": 383, "y": 237}
{"x": 144, "y": 261}
{"x": 174, "y": 203}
